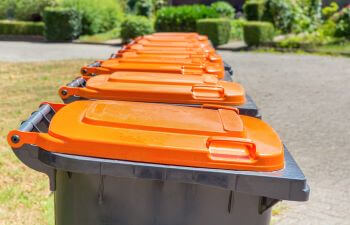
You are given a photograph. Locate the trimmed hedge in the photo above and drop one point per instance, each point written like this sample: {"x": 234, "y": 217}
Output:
{"x": 254, "y": 9}
{"x": 257, "y": 33}
{"x": 182, "y": 18}
{"x": 134, "y": 26}
{"x": 21, "y": 28}
{"x": 61, "y": 24}
{"x": 24, "y": 10}
{"x": 217, "y": 30}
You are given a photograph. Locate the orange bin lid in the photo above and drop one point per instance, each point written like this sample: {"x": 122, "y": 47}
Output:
{"x": 140, "y": 47}
{"x": 165, "y": 56}
{"x": 115, "y": 65}
{"x": 162, "y": 51}
{"x": 178, "y": 36}
{"x": 168, "y": 134}
{"x": 180, "y": 44}
{"x": 158, "y": 87}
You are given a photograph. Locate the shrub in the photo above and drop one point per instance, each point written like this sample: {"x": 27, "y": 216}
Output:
{"x": 5, "y": 9}
{"x": 144, "y": 8}
{"x": 130, "y": 4}
{"x": 305, "y": 40}
{"x": 24, "y": 9}
{"x": 158, "y": 4}
{"x": 21, "y": 28}
{"x": 254, "y": 10}
{"x": 134, "y": 26}
{"x": 258, "y": 33}
{"x": 61, "y": 24}
{"x": 280, "y": 13}
{"x": 224, "y": 9}
{"x": 97, "y": 15}
{"x": 343, "y": 24}
{"x": 218, "y": 30}
{"x": 182, "y": 18}
{"x": 237, "y": 29}
{"x": 329, "y": 11}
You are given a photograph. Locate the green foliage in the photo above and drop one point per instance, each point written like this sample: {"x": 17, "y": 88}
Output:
{"x": 27, "y": 10}
{"x": 305, "y": 40}
{"x": 131, "y": 5}
{"x": 254, "y": 9}
{"x": 4, "y": 9}
{"x": 328, "y": 28}
{"x": 182, "y": 18}
{"x": 329, "y": 11}
{"x": 134, "y": 26}
{"x": 258, "y": 33}
{"x": 280, "y": 13}
{"x": 224, "y": 9}
{"x": 313, "y": 10}
{"x": 101, "y": 37}
{"x": 237, "y": 29}
{"x": 144, "y": 7}
{"x": 61, "y": 24}
{"x": 97, "y": 15}
{"x": 158, "y": 4}
{"x": 343, "y": 24}
{"x": 21, "y": 28}
{"x": 218, "y": 30}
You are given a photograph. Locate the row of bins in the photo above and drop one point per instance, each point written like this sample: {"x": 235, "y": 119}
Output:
{"x": 158, "y": 134}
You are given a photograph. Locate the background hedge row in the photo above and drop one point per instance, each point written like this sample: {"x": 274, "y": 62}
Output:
{"x": 21, "y": 28}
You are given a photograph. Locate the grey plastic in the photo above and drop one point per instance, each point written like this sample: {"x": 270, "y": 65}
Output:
{"x": 228, "y": 70}
{"x": 94, "y": 199}
{"x": 78, "y": 82}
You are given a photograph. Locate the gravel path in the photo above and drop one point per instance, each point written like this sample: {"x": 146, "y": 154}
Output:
{"x": 305, "y": 98}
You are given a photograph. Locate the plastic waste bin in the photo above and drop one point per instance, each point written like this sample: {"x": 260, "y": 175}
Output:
{"x": 109, "y": 164}
{"x": 160, "y": 87}
{"x": 155, "y": 87}
{"x": 184, "y": 68}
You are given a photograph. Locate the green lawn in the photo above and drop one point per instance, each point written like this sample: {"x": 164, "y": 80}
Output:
{"x": 24, "y": 194}
{"x": 100, "y": 38}
{"x": 335, "y": 49}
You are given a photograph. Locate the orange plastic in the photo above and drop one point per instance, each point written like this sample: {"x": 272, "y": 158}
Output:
{"x": 163, "y": 56}
{"x": 140, "y": 47}
{"x": 161, "y": 87}
{"x": 152, "y": 65}
{"x": 177, "y": 36}
{"x": 171, "y": 135}
{"x": 164, "y": 60}
{"x": 163, "y": 43}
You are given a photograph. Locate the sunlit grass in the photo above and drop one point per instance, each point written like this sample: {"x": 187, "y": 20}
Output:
{"x": 24, "y": 194}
